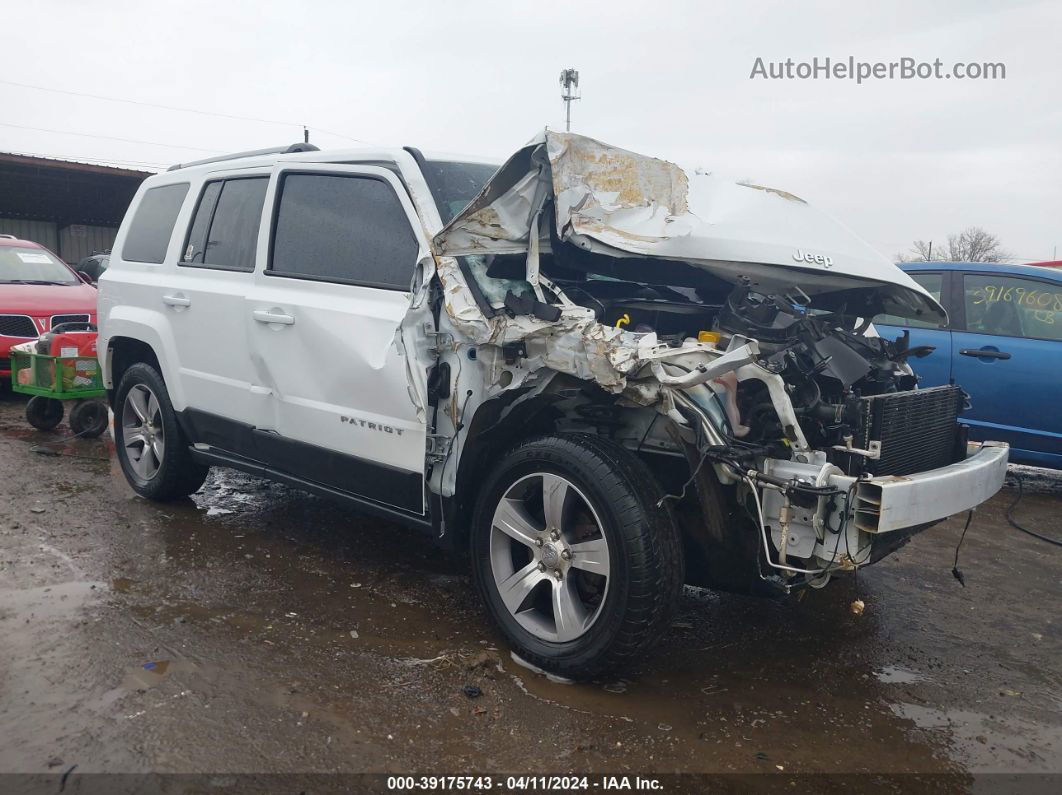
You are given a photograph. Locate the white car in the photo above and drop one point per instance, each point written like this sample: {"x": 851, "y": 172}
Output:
{"x": 602, "y": 375}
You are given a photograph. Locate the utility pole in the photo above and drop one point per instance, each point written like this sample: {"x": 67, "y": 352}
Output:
{"x": 569, "y": 82}
{"x": 929, "y": 258}
{"x": 305, "y": 134}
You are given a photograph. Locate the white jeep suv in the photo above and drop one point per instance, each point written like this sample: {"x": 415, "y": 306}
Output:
{"x": 600, "y": 374}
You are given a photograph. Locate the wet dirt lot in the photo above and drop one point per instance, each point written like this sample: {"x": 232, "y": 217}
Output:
{"x": 254, "y": 628}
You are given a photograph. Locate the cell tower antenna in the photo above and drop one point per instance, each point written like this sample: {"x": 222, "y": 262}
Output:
{"x": 569, "y": 83}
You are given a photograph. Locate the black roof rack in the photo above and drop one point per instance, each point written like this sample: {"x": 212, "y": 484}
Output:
{"x": 276, "y": 150}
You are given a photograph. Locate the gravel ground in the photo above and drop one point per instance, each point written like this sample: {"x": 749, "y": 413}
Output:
{"x": 257, "y": 629}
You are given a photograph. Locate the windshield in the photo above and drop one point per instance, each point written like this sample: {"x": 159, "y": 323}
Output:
{"x": 20, "y": 265}
{"x": 454, "y": 185}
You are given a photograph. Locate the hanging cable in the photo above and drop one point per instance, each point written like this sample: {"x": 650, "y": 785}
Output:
{"x": 956, "y": 572}
{"x": 1010, "y": 517}
{"x": 107, "y": 137}
{"x": 176, "y": 108}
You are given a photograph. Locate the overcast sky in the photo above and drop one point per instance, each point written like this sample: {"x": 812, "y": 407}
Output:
{"x": 896, "y": 160}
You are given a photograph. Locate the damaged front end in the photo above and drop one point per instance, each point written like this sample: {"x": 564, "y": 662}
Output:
{"x": 721, "y": 330}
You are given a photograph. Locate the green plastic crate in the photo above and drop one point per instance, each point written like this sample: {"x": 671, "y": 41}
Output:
{"x": 58, "y": 377}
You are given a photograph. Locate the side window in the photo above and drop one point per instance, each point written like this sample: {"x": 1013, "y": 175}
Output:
{"x": 224, "y": 230}
{"x": 1012, "y": 306}
{"x": 933, "y": 282}
{"x": 149, "y": 233}
{"x": 342, "y": 229}
{"x": 195, "y": 245}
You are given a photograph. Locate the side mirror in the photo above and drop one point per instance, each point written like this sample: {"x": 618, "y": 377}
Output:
{"x": 85, "y": 278}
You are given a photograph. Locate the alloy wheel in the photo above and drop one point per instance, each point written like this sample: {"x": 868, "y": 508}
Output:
{"x": 549, "y": 557}
{"x": 142, "y": 432}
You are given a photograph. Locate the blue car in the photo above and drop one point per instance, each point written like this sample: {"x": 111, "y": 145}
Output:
{"x": 1003, "y": 345}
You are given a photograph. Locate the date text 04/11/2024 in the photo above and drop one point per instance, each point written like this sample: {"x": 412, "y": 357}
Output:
{"x": 523, "y": 783}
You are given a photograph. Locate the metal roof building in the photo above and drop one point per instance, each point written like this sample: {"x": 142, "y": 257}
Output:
{"x": 70, "y": 207}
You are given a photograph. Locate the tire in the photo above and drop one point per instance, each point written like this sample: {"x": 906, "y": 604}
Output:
{"x": 44, "y": 413}
{"x": 152, "y": 449}
{"x": 88, "y": 418}
{"x": 613, "y": 572}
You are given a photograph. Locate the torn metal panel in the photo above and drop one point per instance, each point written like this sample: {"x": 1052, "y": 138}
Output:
{"x": 622, "y": 204}
{"x": 564, "y": 199}
{"x": 576, "y": 344}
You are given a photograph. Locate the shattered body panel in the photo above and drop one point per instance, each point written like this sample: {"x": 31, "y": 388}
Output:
{"x": 574, "y": 216}
{"x": 617, "y": 202}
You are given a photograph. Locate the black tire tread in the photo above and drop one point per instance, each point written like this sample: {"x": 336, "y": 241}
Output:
{"x": 88, "y": 418}
{"x": 654, "y": 544}
{"x": 179, "y": 475}
{"x": 44, "y": 413}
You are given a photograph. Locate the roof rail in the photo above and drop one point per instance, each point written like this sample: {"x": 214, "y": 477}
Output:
{"x": 9, "y": 237}
{"x": 276, "y": 150}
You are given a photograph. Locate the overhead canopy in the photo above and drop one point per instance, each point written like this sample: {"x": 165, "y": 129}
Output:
{"x": 620, "y": 204}
{"x": 64, "y": 191}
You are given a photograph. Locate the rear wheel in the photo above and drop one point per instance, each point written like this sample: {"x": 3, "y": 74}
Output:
{"x": 151, "y": 447}
{"x": 44, "y": 413}
{"x": 577, "y": 564}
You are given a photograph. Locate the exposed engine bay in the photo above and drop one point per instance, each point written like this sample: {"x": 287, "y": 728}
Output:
{"x": 826, "y": 357}
{"x": 793, "y": 439}
{"x": 792, "y": 392}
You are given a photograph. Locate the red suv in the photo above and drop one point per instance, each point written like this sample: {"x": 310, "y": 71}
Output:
{"x": 37, "y": 291}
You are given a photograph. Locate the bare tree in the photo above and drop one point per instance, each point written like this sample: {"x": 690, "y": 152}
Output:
{"x": 922, "y": 251}
{"x": 972, "y": 244}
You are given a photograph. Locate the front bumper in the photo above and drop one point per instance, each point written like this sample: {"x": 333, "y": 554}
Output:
{"x": 897, "y": 502}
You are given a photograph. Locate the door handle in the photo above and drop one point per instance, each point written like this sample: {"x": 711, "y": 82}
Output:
{"x": 985, "y": 353}
{"x": 176, "y": 299}
{"x": 267, "y": 316}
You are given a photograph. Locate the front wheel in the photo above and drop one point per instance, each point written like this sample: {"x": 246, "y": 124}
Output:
{"x": 577, "y": 563}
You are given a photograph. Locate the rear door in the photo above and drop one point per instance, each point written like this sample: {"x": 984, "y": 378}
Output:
{"x": 1008, "y": 346}
{"x": 204, "y": 302}
{"x": 324, "y": 311}
{"x": 934, "y": 369}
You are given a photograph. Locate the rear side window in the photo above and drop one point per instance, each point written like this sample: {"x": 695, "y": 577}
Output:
{"x": 224, "y": 230}
{"x": 152, "y": 226}
{"x": 342, "y": 229}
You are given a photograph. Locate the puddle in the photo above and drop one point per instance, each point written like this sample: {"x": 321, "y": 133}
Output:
{"x": 894, "y": 674}
{"x": 554, "y": 678}
{"x": 154, "y": 672}
{"x": 990, "y": 743}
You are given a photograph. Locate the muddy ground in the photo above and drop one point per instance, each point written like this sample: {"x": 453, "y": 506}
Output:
{"x": 254, "y": 628}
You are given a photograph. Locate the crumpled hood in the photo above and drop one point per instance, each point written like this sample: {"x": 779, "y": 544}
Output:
{"x": 621, "y": 204}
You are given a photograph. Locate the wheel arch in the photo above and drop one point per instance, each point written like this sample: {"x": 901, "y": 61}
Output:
{"x": 719, "y": 544}
{"x": 486, "y": 439}
{"x": 136, "y": 335}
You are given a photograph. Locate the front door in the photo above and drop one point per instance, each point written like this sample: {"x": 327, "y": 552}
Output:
{"x": 1008, "y": 356}
{"x": 934, "y": 369}
{"x": 323, "y": 315}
